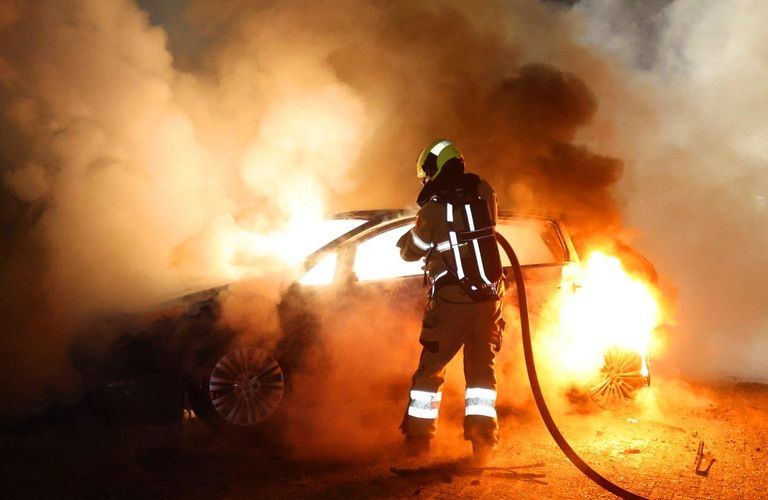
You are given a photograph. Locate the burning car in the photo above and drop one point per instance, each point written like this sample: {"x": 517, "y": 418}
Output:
{"x": 186, "y": 357}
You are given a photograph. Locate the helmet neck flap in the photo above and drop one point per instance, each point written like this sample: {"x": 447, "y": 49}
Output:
{"x": 452, "y": 181}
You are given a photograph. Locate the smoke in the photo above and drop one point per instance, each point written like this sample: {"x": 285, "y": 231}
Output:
{"x": 696, "y": 185}
{"x": 480, "y": 77}
{"x": 149, "y": 152}
{"x": 132, "y": 172}
{"x": 350, "y": 391}
{"x": 127, "y": 181}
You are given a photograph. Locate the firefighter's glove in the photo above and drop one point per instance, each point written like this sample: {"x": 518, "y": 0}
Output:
{"x": 403, "y": 240}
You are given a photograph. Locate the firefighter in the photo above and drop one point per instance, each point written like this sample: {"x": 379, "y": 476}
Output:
{"x": 455, "y": 234}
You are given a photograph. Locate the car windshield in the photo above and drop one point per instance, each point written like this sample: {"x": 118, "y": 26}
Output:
{"x": 330, "y": 229}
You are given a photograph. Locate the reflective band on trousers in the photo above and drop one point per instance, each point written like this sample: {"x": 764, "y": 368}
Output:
{"x": 424, "y": 404}
{"x": 480, "y": 401}
{"x": 420, "y": 243}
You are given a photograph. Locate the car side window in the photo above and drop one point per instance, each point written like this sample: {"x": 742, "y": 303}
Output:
{"x": 534, "y": 241}
{"x": 378, "y": 257}
{"x": 323, "y": 272}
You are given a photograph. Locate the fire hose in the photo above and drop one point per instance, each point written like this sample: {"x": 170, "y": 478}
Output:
{"x": 525, "y": 327}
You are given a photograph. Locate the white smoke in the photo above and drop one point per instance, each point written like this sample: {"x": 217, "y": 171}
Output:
{"x": 145, "y": 179}
{"x": 144, "y": 172}
{"x": 140, "y": 181}
{"x": 696, "y": 178}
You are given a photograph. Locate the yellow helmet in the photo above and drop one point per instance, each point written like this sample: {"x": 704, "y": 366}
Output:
{"x": 434, "y": 157}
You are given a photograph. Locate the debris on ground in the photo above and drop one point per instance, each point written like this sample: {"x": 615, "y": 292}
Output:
{"x": 704, "y": 461}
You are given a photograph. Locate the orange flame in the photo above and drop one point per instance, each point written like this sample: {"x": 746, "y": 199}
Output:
{"x": 607, "y": 307}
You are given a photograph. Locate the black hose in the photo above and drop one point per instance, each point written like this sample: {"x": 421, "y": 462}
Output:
{"x": 525, "y": 326}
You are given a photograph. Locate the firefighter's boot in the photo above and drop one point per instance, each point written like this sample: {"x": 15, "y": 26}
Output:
{"x": 482, "y": 451}
{"x": 417, "y": 446}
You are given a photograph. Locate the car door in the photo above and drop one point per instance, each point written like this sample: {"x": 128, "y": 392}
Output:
{"x": 376, "y": 268}
{"x": 542, "y": 253}
{"x": 372, "y": 317}
{"x": 362, "y": 283}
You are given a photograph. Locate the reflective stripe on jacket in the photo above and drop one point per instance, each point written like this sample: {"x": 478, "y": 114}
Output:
{"x": 431, "y": 230}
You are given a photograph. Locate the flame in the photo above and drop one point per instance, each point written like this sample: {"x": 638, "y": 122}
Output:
{"x": 290, "y": 244}
{"x": 605, "y": 307}
{"x": 376, "y": 259}
{"x": 304, "y": 233}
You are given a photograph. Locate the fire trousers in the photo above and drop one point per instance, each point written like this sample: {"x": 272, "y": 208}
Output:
{"x": 446, "y": 327}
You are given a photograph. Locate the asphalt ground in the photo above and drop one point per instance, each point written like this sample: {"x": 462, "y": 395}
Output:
{"x": 649, "y": 447}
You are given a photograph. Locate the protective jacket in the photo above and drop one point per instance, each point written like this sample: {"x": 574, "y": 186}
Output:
{"x": 454, "y": 230}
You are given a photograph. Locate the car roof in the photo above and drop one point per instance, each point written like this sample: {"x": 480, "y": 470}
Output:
{"x": 373, "y": 218}
{"x": 382, "y": 215}
{"x": 377, "y": 215}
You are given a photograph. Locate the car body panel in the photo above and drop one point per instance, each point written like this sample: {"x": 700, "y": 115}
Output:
{"x": 315, "y": 313}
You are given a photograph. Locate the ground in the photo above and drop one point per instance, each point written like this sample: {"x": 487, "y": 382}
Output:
{"x": 649, "y": 452}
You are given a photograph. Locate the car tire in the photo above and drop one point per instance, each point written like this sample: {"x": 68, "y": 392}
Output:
{"x": 618, "y": 380}
{"x": 235, "y": 388}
